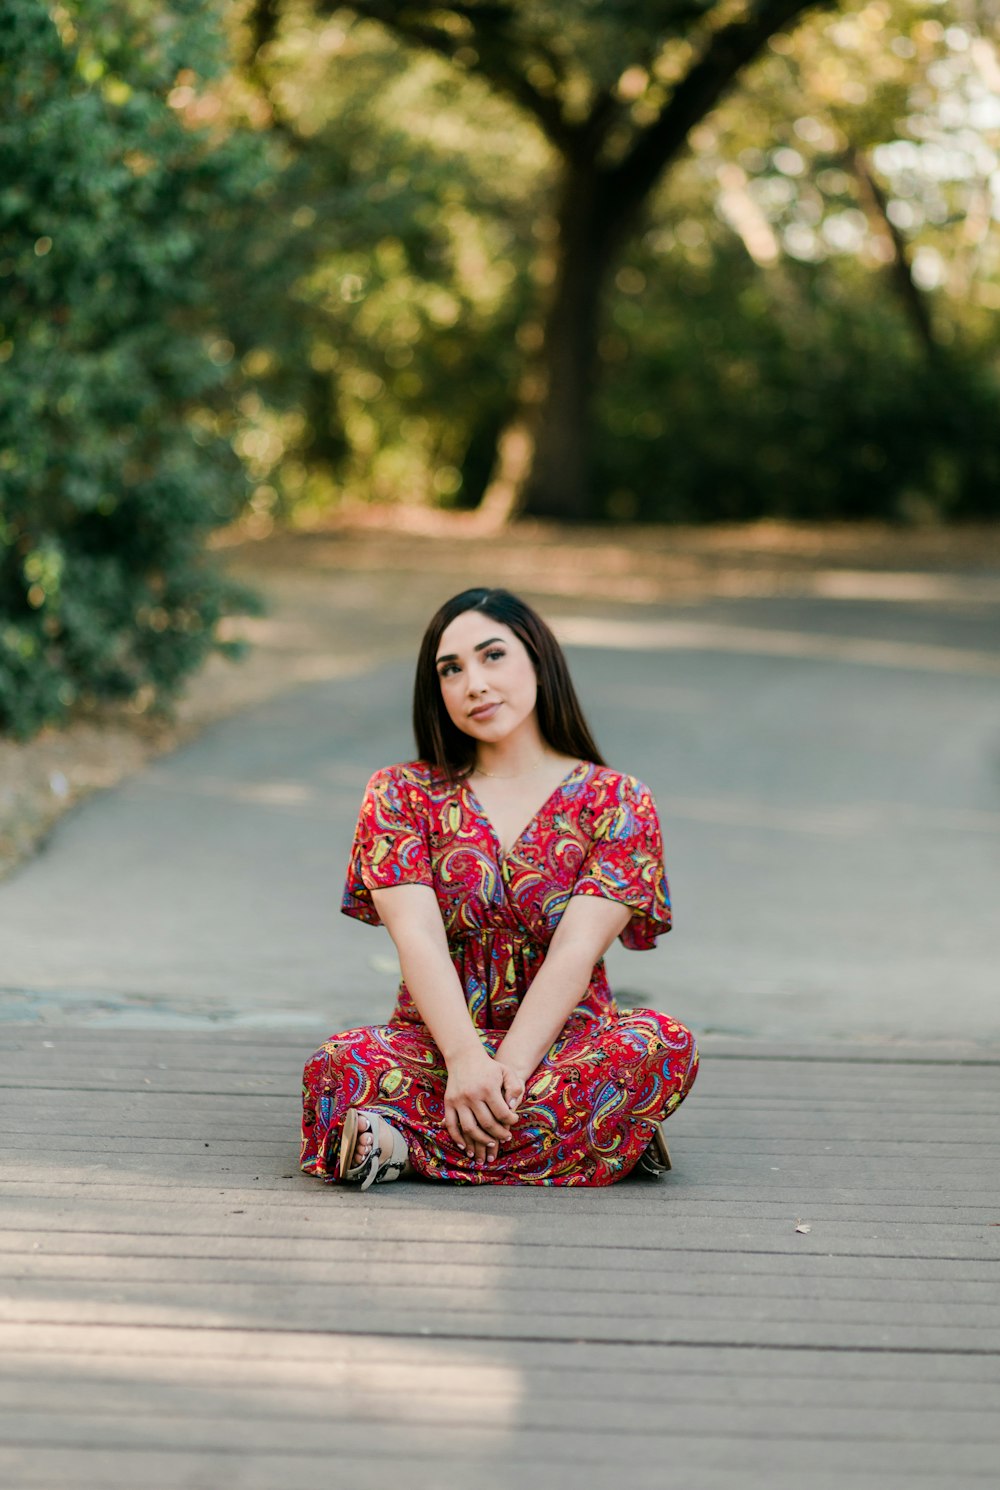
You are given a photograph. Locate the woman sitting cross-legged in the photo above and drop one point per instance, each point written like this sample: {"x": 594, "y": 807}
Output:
{"x": 504, "y": 862}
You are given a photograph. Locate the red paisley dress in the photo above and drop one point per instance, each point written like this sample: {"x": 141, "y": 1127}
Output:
{"x": 589, "y": 1108}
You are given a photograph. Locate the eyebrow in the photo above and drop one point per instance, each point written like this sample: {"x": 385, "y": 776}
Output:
{"x": 453, "y": 656}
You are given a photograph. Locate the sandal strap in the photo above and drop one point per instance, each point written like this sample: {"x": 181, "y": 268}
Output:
{"x": 394, "y": 1165}
{"x": 358, "y": 1172}
{"x": 384, "y": 1167}
{"x": 655, "y": 1157}
{"x": 379, "y": 1167}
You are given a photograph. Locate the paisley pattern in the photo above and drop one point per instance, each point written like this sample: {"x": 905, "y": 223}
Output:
{"x": 589, "y": 1109}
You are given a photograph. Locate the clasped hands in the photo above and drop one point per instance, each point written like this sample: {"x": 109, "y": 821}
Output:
{"x": 481, "y": 1101}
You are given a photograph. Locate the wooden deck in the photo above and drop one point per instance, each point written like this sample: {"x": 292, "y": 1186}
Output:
{"x": 183, "y": 1310}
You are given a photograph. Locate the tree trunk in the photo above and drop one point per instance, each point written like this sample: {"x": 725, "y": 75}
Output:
{"x": 557, "y": 482}
{"x": 900, "y": 266}
{"x": 543, "y": 456}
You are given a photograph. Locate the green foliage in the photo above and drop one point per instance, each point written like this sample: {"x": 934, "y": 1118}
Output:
{"x": 405, "y": 219}
{"x": 761, "y": 356}
{"x": 728, "y": 397}
{"x": 116, "y": 380}
{"x": 262, "y": 280}
{"x": 759, "y": 353}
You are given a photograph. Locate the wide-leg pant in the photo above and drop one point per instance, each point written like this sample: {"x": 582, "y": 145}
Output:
{"x": 587, "y": 1114}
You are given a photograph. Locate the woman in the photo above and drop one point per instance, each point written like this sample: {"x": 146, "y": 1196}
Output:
{"x": 504, "y": 861}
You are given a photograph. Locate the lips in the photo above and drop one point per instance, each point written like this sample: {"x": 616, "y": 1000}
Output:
{"x": 485, "y": 711}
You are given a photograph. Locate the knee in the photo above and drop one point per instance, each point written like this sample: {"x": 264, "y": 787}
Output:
{"x": 322, "y": 1082}
{"x": 674, "y": 1035}
{"x": 328, "y": 1058}
{"x": 659, "y": 1033}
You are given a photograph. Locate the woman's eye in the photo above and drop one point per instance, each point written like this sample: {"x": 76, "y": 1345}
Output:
{"x": 444, "y": 671}
{"x": 495, "y": 654}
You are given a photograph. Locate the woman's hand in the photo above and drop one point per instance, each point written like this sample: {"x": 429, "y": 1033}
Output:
{"x": 513, "y": 1081}
{"x": 480, "y": 1102}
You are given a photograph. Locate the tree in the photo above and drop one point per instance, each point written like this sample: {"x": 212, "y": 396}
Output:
{"x": 802, "y": 323}
{"x": 115, "y": 376}
{"x": 615, "y": 91}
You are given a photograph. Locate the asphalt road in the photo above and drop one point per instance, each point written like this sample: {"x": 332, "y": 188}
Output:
{"x": 828, "y": 778}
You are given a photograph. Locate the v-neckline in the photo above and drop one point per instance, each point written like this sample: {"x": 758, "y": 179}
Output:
{"x": 502, "y": 853}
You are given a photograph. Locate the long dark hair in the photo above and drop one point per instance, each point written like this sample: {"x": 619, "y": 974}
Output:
{"x": 560, "y": 718}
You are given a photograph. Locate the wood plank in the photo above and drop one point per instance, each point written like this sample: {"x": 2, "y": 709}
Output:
{"x": 749, "y": 1466}
{"x": 769, "y": 1081}
{"x": 712, "y": 1151}
{"x": 879, "y": 1317}
{"x": 827, "y": 1217}
{"x": 237, "y": 1215}
{"x": 310, "y": 1033}
{"x": 182, "y": 1306}
{"x": 957, "y": 1185}
{"x": 265, "y": 1418}
{"x": 688, "y": 1321}
{"x": 274, "y": 1386}
{"x": 845, "y": 1087}
{"x": 706, "y": 1446}
{"x": 485, "y": 1258}
{"x": 569, "y": 1361}
{"x": 460, "y": 1285}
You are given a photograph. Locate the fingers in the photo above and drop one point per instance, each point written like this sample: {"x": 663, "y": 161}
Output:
{"x": 454, "y": 1127}
{"x": 479, "y": 1122}
{"x": 480, "y": 1127}
{"x": 490, "y": 1110}
{"x": 481, "y": 1134}
{"x": 513, "y": 1089}
{"x": 493, "y": 1123}
{"x": 467, "y": 1135}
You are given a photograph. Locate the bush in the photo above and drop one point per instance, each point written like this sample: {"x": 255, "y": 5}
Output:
{"x": 820, "y": 406}
{"x": 114, "y": 467}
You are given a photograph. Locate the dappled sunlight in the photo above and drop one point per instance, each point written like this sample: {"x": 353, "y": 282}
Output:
{"x": 161, "y": 1288}
{"x": 194, "y": 1217}
{"x": 710, "y": 636}
{"x": 279, "y": 633}
{"x": 678, "y": 321}
{"x": 798, "y": 320}
{"x": 929, "y": 589}
{"x": 357, "y": 559}
{"x": 128, "y": 1386}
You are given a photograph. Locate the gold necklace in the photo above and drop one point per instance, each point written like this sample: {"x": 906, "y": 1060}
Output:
{"x": 496, "y": 776}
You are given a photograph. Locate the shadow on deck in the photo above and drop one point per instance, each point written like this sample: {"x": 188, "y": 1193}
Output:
{"x": 809, "y": 1297}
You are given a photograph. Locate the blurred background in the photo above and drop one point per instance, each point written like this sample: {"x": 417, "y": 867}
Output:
{"x": 679, "y": 318}
{"x": 312, "y": 314}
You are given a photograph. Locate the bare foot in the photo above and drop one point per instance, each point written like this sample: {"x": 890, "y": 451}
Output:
{"x": 363, "y": 1146}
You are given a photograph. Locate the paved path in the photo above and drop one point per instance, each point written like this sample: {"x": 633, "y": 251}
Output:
{"x": 182, "y": 1308}
{"x": 827, "y": 779}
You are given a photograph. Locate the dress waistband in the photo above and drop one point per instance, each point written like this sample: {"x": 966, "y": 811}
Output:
{"x": 495, "y": 934}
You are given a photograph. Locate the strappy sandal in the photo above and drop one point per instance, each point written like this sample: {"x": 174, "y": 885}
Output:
{"x": 656, "y": 1157}
{"x": 383, "y": 1163}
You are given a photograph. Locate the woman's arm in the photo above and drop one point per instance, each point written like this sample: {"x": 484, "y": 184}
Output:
{"x": 477, "y": 1114}
{"x": 587, "y": 929}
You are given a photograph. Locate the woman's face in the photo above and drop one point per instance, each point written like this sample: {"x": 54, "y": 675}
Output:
{"x": 487, "y": 677}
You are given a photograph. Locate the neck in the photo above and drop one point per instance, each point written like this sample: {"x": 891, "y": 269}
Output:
{"x": 512, "y": 757}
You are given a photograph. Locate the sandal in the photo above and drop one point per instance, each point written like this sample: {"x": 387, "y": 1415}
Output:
{"x": 656, "y": 1157}
{"x": 386, "y": 1160}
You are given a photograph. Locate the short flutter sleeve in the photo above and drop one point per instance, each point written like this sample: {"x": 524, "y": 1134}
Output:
{"x": 625, "y": 860}
{"x": 390, "y": 842}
